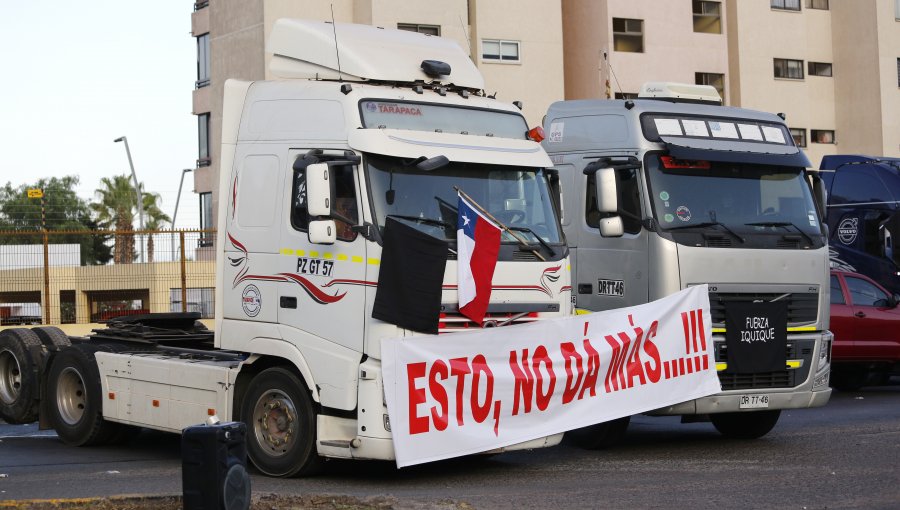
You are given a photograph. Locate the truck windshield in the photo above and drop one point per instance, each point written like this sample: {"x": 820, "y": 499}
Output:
{"x": 737, "y": 199}
{"x": 516, "y": 196}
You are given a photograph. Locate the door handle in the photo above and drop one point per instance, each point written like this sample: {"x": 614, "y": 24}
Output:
{"x": 860, "y": 314}
{"x": 288, "y": 302}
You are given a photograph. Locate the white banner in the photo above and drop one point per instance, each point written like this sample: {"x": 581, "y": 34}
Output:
{"x": 464, "y": 393}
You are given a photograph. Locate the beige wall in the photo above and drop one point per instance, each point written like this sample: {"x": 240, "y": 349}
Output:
{"x": 537, "y": 80}
{"x": 672, "y": 50}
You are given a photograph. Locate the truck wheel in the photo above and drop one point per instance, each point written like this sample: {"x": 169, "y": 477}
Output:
{"x": 20, "y": 388}
{"x": 279, "y": 414}
{"x": 52, "y": 338}
{"x": 750, "y": 425}
{"x": 76, "y": 403}
{"x": 601, "y": 435}
{"x": 849, "y": 378}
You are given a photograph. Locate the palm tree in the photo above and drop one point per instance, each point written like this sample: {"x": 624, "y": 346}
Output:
{"x": 115, "y": 209}
{"x": 154, "y": 218}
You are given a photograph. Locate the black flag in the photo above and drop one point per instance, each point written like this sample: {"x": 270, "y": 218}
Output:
{"x": 410, "y": 278}
{"x": 756, "y": 337}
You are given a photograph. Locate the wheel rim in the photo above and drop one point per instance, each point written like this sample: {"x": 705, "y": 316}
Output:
{"x": 10, "y": 377}
{"x": 71, "y": 397}
{"x": 275, "y": 423}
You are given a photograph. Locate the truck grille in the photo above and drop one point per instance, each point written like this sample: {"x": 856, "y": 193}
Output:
{"x": 454, "y": 322}
{"x": 803, "y": 308}
{"x": 796, "y": 350}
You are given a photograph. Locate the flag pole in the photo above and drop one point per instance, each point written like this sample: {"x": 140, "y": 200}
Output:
{"x": 491, "y": 217}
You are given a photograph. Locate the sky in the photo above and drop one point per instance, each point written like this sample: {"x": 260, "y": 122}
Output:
{"x": 74, "y": 76}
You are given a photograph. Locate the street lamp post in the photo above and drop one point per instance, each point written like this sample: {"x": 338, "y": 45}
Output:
{"x": 177, "y": 201}
{"x": 137, "y": 189}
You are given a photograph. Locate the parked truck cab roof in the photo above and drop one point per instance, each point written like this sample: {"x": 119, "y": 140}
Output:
{"x": 703, "y": 131}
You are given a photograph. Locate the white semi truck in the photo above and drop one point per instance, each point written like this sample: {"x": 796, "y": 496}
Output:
{"x": 364, "y": 126}
{"x": 672, "y": 190}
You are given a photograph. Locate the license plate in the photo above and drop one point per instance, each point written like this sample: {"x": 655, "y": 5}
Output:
{"x": 754, "y": 401}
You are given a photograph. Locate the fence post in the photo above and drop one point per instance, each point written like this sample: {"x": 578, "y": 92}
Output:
{"x": 46, "y": 278}
{"x": 183, "y": 275}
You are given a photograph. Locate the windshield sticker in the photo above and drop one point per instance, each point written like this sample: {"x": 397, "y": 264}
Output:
{"x": 668, "y": 127}
{"x": 750, "y": 132}
{"x": 773, "y": 134}
{"x": 556, "y": 132}
{"x": 812, "y": 218}
{"x": 695, "y": 128}
{"x": 848, "y": 229}
{"x": 683, "y": 213}
{"x": 663, "y": 195}
{"x": 723, "y": 130}
{"x": 669, "y": 218}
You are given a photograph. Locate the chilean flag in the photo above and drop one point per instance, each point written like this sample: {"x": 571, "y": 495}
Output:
{"x": 478, "y": 244}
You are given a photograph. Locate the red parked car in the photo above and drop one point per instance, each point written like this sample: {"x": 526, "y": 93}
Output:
{"x": 865, "y": 320}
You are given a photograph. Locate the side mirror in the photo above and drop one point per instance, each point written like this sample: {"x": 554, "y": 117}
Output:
{"x": 894, "y": 301}
{"x": 319, "y": 190}
{"x": 612, "y": 227}
{"x": 322, "y": 232}
{"x": 607, "y": 194}
{"x": 820, "y": 196}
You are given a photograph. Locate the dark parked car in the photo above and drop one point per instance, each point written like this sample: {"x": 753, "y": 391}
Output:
{"x": 865, "y": 320}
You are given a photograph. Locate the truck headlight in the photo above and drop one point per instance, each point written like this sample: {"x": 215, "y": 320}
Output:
{"x": 825, "y": 351}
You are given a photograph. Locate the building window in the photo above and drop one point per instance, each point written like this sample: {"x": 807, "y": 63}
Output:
{"x": 626, "y": 95}
{"x": 202, "y": 61}
{"x": 203, "y": 140}
{"x": 707, "y": 17}
{"x": 499, "y": 50}
{"x": 799, "y": 135}
{"x": 817, "y": 4}
{"x": 206, "y": 215}
{"x": 822, "y": 135}
{"x": 787, "y": 68}
{"x": 422, "y": 29}
{"x": 713, "y": 79}
{"x": 897, "y": 10}
{"x": 819, "y": 69}
{"x": 898, "y": 68}
{"x": 786, "y": 5}
{"x": 628, "y": 35}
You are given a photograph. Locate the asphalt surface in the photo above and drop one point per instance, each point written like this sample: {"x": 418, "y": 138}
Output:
{"x": 844, "y": 455}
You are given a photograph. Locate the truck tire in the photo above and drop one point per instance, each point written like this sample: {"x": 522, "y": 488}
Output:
{"x": 750, "y": 425}
{"x": 76, "y": 402}
{"x": 281, "y": 423}
{"x": 601, "y": 435}
{"x": 53, "y": 338}
{"x": 20, "y": 376}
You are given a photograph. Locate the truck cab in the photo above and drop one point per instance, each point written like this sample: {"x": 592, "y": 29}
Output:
{"x": 672, "y": 190}
{"x": 864, "y": 215}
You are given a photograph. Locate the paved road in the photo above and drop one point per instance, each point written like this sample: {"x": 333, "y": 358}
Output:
{"x": 845, "y": 455}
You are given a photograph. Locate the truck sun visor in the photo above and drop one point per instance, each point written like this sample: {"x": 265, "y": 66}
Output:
{"x": 736, "y": 152}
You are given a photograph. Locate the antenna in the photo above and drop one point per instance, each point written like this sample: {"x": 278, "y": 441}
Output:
{"x": 466, "y": 33}
{"x": 336, "y": 52}
{"x": 612, "y": 71}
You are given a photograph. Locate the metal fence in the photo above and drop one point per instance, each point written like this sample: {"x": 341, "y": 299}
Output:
{"x": 78, "y": 277}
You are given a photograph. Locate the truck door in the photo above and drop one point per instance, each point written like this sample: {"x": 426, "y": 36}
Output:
{"x": 322, "y": 287}
{"x": 611, "y": 272}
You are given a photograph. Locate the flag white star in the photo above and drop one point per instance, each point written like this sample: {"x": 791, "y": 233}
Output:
{"x": 465, "y": 220}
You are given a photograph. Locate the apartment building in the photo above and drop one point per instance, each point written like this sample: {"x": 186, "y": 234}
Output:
{"x": 831, "y": 66}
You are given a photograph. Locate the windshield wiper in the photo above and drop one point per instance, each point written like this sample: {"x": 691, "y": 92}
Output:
{"x": 427, "y": 221}
{"x": 782, "y": 224}
{"x": 706, "y": 224}
{"x": 543, "y": 243}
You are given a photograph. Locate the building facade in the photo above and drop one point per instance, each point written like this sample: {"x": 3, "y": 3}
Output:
{"x": 831, "y": 66}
